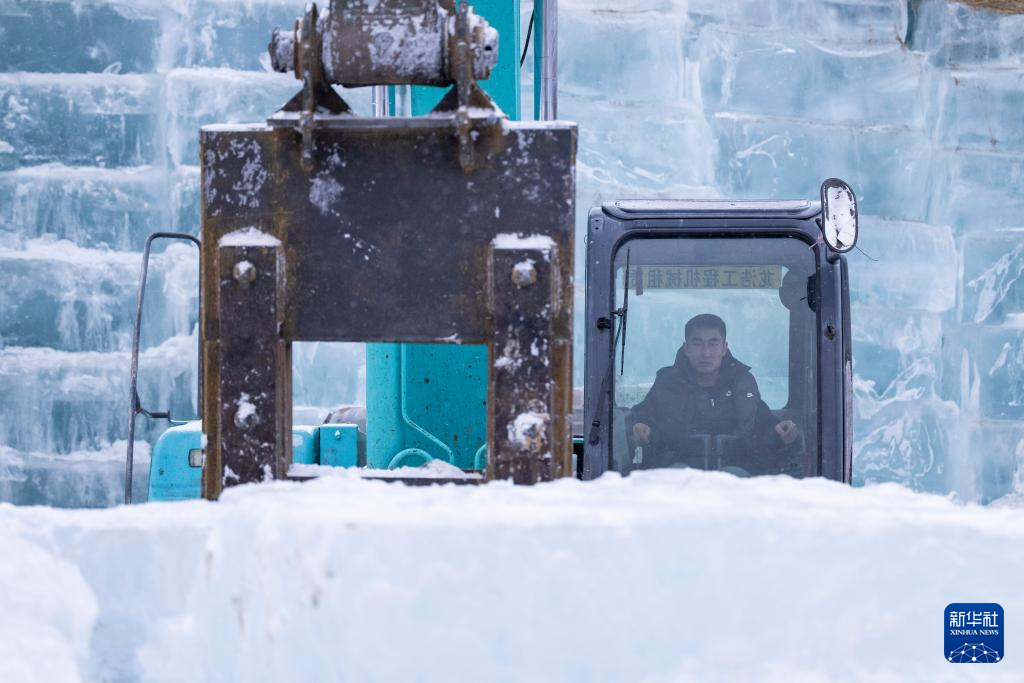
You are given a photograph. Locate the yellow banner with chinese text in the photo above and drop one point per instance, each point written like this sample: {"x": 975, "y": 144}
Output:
{"x": 704, "y": 277}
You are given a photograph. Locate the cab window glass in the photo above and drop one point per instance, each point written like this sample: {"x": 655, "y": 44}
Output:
{"x": 759, "y": 290}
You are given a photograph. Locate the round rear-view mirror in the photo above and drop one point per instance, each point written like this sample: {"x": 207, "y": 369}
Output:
{"x": 838, "y": 215}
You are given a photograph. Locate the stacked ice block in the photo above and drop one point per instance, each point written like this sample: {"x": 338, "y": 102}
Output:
{"x": 100, "y": 109}
{"x": 916, "y": 104}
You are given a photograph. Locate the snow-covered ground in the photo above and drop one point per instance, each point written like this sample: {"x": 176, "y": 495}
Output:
{"x": 663, "y": 576}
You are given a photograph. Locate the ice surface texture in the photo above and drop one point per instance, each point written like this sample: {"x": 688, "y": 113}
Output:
{"x": 100, "y": 108}
{"x": 916, "y": 104}
{"x": 662, "y": 576}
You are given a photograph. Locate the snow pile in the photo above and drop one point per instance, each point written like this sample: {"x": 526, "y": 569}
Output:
{"x": 664, "y": 576}
{"x": 44, "y": 633}
{"x": 432, "y": 469}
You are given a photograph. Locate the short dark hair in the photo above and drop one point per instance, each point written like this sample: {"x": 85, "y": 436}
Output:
{"x": 705, "y": 321}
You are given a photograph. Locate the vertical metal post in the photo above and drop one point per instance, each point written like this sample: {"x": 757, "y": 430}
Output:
{"x": 379, "y": 98}
{"x": 538, "y": 52}
{"x": 549, "y": 60}
{"x": 528, "y": 404}
{"x": 253, "y": 367}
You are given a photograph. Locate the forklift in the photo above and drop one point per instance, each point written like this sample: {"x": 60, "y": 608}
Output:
{"x": 442, "y": 237}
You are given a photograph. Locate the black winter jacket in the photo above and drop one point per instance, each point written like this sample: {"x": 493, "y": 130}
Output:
{"x": 677, "y": 407}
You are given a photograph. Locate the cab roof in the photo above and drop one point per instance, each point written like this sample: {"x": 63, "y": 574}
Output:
{"x": 636, "y": 209}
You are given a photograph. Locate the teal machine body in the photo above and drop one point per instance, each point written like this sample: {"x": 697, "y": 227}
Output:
{"x": 427, "y": 401}
{"x": 423, "y": 401}
{"x": 176, "y": 467}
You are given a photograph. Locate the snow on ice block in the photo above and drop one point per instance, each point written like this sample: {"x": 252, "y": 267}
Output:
{"x": 837, "y": 24}
{"x": 680, "y": 575}
{"x": 61, "y": 402}
{"x": 55, "y": 293}
{"x": 92, "y": 478}
{"x": 778, "y": 157}
{"x": 779, "y": 73}
{"x": 952, "y": 33}
{"x": 977, "y": 191}
{"x": 912, "y": 266}
{"x": 78, "y": 119}
{"x": 196, "y": 97}
{"x": 993, "y": 277}
{"x": 978, "y": 108}
{"x": 85, "y": 204}
{"x": 120, "y": 37}
{"x": 624, "y": 54}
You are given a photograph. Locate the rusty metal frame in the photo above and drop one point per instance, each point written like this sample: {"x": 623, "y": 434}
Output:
{"x": 387, "y": 237}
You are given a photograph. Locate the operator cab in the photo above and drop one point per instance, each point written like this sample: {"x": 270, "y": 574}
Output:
{"x": 771, "y": 394}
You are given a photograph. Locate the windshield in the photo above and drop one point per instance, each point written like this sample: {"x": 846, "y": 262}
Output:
{"x": 718, "y": 365}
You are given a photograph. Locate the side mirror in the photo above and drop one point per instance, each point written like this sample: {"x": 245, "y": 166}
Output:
{"x": 838, "y": 215}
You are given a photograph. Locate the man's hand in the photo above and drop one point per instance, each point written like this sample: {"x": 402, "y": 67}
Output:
{"x": 641, "y": 434}
{"x": 787, "y": 431}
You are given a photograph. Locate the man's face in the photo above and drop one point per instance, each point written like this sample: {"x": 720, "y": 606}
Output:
{"x": 705, "y": 350}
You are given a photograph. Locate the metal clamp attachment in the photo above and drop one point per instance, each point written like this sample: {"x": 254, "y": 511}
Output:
{"x": 388, "y": 42}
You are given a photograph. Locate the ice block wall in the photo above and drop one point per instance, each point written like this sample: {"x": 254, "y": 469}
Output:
{"x": 919, "y": 105}
{"x": 916, "y": 103}
{"x": 100, "y": 108}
